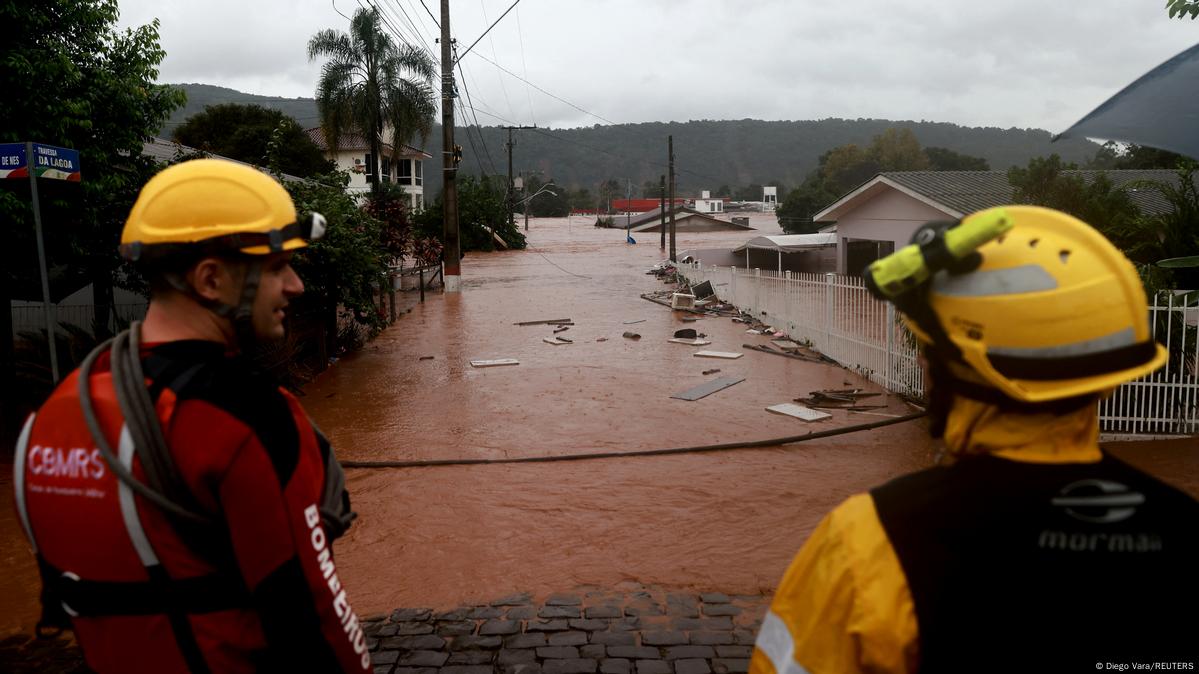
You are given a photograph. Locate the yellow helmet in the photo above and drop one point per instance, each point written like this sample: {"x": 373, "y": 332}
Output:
{"x": 217, "y": 203}
{"x": 1053, "y": 311}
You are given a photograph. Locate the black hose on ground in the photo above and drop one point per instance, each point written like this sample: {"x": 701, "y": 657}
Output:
{"x": 771, "y": 442}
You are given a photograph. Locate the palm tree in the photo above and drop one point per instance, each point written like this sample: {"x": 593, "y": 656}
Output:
{"x": 370, "y": 84}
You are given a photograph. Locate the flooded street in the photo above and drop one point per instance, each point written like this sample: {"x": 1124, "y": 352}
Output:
{"x": 444, "y": 536}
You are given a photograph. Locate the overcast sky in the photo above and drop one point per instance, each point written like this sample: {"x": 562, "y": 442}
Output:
{"x": 1005, "y": 63}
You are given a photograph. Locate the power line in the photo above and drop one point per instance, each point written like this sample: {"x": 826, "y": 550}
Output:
{"x": 435, "y": 22}
{"x": 558, "y": 98}
{"x": 478, "y": 127}
{"x": 503, "y": 88}
{"x": 524, "y": 64}
{"x": 471, "y": 139}
{"x": 472, "y": 45}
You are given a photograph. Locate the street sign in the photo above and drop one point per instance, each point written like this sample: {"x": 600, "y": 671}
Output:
{"x": 31, "y": 161}
{"x": 56, "y": 163}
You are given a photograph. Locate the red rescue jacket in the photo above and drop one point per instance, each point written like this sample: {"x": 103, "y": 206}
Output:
{"x": 147, "y": 593}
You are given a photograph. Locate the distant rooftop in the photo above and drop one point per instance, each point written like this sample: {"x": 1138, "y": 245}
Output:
{"x": 164, "y": 150}
{"x": 964, "y": 192}
{"x": 353, "y": 141}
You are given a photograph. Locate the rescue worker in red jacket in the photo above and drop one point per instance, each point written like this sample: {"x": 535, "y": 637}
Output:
{"x": 181, "y": 505}
{"x": 1030, "y": 549}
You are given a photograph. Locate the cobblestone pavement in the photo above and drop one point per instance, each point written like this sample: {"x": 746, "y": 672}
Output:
{"x": 646, "y": 632}
{"x": 586, "y": 632}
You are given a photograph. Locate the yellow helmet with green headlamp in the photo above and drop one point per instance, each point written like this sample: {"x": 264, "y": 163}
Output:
{"x": 1047, "y": 309}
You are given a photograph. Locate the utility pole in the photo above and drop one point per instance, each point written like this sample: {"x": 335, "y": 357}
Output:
{"x": 451, "y": 255}
{"x": 670, "y": 151}
{"x": 662, "y": 208}
{"x": 511, "y": 189}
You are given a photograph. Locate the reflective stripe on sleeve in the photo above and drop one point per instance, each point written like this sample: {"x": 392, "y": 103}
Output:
{"x": 774, "y": 640}
{"x": 129, "y": 507}
{"x": 18, "y": 479}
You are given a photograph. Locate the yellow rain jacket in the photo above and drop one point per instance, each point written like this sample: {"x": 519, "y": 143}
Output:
{"x": 844, "y": 605}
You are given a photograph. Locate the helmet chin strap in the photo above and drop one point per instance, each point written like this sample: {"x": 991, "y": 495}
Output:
{"x": 243, "y": 315}
{"x": 240, "y": 315}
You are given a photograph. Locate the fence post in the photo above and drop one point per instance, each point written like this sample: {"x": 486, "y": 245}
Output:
{"x": 890, "y": 328}
{"x": 757, "y": 292}
{"x": 391, "y": 285}
{"x": 733, "y": 287}
{"x": 828, "y": 312}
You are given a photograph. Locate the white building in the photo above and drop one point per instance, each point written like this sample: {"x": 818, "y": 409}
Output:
{"x": 353, "y": 155}
{"x": 770, "y": 198}
{"x": 706, "y": 204}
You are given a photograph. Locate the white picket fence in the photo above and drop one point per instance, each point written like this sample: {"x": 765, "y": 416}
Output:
{"x": 839, "y": 318}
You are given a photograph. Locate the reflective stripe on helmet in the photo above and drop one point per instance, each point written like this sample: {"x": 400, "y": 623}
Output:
{"x": 1023, "y": 279}
{"x": 775, "y": 642}
{"x": 18, "y": 477}
{"x": 1115, "y": 340}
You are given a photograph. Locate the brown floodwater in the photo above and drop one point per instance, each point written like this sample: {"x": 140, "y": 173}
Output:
{"x": 439, "y": 537}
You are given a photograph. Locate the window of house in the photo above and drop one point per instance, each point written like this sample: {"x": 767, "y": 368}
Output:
{"x": 419, "y": 172}
{"x": 405, "y": 171}
{"x": 386, "y": 170}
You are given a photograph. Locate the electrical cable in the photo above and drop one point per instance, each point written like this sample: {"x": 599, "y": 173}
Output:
{"x": 520, "y": 33}
{"x": 558, "y": 98}
{"x": 503, "y": 88}
{"x": 435, "y": 22}
{"x": 556, "y": 265}
{"x": 698, "y": 449}
{"x": 478, "y": 127}
{"x": 472, "y": 45}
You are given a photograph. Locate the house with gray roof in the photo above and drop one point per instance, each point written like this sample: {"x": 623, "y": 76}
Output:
{"x": 881, "y": 215}
{"x": 685, "y": 220}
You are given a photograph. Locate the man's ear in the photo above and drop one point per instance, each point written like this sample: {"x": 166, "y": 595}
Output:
{"x": 208, "y": 277}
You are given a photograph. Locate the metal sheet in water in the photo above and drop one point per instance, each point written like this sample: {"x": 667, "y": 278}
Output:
{"x": 708, "y": 388}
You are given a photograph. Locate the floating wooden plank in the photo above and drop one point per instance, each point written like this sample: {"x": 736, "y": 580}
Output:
{"x": 639, "y": 320}
{"x": 718, "y": 354}
{"x": 557, "y": 321}
{"x": 690, "y": 342}
{"x": 494, "y": 363}
{"x": 556, "y": 341}
{"x": 708, "y": 388}
{"x": 798, "y": 411}
{"x": 785, "y": 344}
{"x": 765, "y": 349}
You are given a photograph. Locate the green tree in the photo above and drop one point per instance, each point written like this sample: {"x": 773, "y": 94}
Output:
{"x": 339, "y": 268}
{"x": 243, "y": 132}
{"x": 552, "y": 203}
{"x": 482, "y": 210}
{"x": 1096, "y": 202}
{"x": 651, "y": 189}
{"x": 370, "y": 84}
{"x": 898, "y": 150}
{"x": 71, "y": 78}
{"x": 943, "y": 159}
{"x": 1181, "y": 8}
{"x": 800, "y": 204}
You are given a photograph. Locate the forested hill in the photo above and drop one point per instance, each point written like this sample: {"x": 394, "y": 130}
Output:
{"x": 708, "y": 154}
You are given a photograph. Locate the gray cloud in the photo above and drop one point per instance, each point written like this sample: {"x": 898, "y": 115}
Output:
{"x": 1024, "y": 63}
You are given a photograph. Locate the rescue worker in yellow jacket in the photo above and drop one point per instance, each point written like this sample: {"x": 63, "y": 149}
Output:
{"x": 1029, "y": 549}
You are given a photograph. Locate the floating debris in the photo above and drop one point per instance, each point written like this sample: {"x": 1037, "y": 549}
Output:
{"x": 494, "y": 363}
